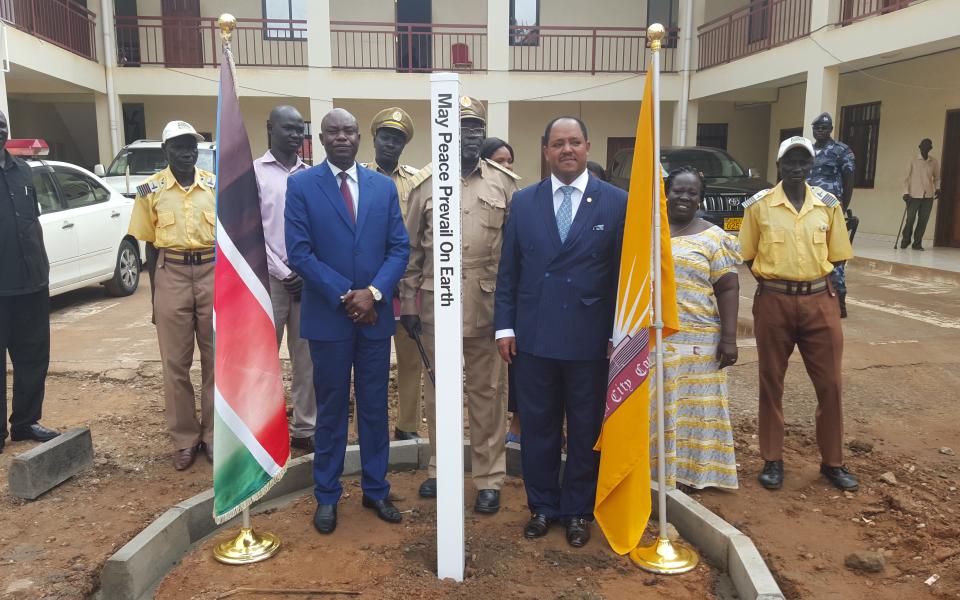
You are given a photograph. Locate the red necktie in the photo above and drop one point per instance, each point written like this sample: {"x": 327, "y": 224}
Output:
{"x": 347, "y": 196}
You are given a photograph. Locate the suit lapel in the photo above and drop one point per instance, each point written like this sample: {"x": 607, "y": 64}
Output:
{"x": 584, "y": 212}
{"x": 328, "y": 186}
{"x": 365, "y": 191}
{"x": 545, "y": 207}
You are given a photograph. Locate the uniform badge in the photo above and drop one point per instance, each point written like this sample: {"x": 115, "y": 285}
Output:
{"x": 397, "y": 116}
{"x": 465, "y": 101}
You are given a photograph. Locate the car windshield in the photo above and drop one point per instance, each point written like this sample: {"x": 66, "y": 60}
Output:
{"x": 713, "y": 164}
{"x": 147, "y": 161}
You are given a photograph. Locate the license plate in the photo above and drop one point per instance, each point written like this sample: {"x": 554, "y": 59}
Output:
{"x": 732, "y": 223}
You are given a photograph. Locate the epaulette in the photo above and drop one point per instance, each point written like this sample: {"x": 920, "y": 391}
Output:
{"x": 410, "y": 170}
{"x": 756, "y": 198}
{"x": 148, "y": 187}
{"x": 422, "y": 175}
{"x": 501, "y": 168}
{"x": 824, "y": 196}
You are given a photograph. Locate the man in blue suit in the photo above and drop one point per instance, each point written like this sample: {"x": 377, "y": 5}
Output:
{"x": 556, "y": 291}
{"x": 346, "y": 239}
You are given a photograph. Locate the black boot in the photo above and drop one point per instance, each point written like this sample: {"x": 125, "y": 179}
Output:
{"x": 842, "y": 297}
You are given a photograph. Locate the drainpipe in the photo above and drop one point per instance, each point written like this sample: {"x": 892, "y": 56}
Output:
{"x": 687, "y": 30}
{"x": 109, "y": 60}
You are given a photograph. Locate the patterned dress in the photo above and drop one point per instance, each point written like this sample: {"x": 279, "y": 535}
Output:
{"x": 698, "y": 437}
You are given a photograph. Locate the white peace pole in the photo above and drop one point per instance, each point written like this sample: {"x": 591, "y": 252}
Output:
{"x": 448, "y": 320}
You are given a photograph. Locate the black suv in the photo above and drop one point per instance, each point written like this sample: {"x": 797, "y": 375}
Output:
{"x": 728, "y": 184}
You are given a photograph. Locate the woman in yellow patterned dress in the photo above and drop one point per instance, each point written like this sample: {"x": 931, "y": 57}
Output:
{"x": 698, "y": 435}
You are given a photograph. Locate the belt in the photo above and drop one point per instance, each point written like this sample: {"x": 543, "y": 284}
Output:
{"x": 794, "y": 288}
{"x": 189, "y": 257}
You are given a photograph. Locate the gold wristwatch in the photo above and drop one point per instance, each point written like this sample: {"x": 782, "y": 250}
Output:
{"x": 377, "y": 296}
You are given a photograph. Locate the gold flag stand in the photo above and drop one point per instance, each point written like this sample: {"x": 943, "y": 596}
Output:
{"x": 663, "y": 556}
{"x": 248, "y": 546}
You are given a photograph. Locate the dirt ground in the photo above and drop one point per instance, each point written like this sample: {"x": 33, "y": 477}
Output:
{"x": 901, "y": 380}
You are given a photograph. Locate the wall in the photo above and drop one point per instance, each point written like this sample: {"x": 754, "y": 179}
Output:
{"x": 747, "y": 131}
{"x": 76, "y": 143}
{"x": 787, "y": 113}
{"x": 716, "y": 8}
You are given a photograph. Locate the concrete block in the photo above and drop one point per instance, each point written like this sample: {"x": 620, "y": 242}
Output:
{"x": 351, "y": 461}
{"x": 697, "y": 525}
{"x": 423, "y": 452}
{"x": 514, "y": 467}
{"x": 48, "y": 465}
{"x": 145, "y": 559}
{"x": 748, "y": 572}
{"x": 198, "y": 512}
{"x": 404, "y": 454}
{"x": 299, "y": 475}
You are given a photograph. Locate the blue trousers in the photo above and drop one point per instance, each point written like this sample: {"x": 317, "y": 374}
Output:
{"x": 332, "y": 363}
{"x": 839, "y": 278}
{"x": 547, "y": 390}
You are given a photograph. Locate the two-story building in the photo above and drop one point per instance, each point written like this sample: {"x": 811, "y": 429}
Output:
{"x": 90, "y": 76}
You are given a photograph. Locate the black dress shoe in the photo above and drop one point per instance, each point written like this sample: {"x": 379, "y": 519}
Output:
{"x": 578, "y": 531}
{"x": 917, "y": 247}
{"x": 302, "y": 443}
{"x": 488, "y": 502}
{"x": 325, "y": 519}
{"x": 384, "y": 509}
{"x": 840, "y": 477}
{"x": 428, "y": 489}
{"x": 904, "y": 244}
{"x": 772, "y": 475}
{"x": 36, "y": 432}
{"x": 405, "y": 435}
{"x": 537, "y": 526}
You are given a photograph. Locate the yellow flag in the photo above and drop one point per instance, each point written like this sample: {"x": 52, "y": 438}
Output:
{"x": 623, "y": 488}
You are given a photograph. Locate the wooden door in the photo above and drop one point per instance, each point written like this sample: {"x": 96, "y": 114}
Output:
{"x": 948, "y": 206}
{"x": 182, "y": 45}
{"x": 414, "y": 44}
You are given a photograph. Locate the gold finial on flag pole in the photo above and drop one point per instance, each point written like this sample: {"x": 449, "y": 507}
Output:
{"x": 227, "y": 24}
{"x": 656, "y": 33}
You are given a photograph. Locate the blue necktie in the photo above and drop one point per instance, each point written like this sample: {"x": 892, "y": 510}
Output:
{"x": 565, "y": 212}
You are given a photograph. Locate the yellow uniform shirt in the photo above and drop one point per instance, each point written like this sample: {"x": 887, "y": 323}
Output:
{"x": 405, "y": 178}
{"x": 785, "y": 244}
{"x": 169, "y": 216}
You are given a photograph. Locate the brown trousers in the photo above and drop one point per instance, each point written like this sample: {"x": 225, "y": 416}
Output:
{"x": 409, "y": 371}
{"x": 812, "y": 323}
{"x": 183, "y": 307}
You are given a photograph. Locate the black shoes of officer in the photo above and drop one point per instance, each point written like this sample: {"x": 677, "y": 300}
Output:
{"x": 428, "y": 489}
{"x": 302, "y": 443}
{"x": 840, "y": 477}
{"x": 578, "y": 532}
{"x": 384, "y": 509}
{"x": 325, "y": 519}
{"x": 405, "y": 435}
{"x": 537, "y": 526}
{"x": 488, "y": 502}
{"x": 35, "y": 432}
{"x": 772, "y": 475}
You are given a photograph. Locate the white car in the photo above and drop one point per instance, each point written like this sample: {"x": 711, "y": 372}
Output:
{"x": 85, "y": 230}
{"x": 143, "y": 158}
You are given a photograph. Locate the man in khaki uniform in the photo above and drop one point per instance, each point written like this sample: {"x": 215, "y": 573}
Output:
{"x": 392, "y": 130}
{"x": 793, "y": 236}
{"x": 486, "y": 192}
{"x": 175, "y": 210}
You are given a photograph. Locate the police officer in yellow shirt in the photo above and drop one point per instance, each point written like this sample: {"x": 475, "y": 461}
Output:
{"x": 392, "y": 130}
{"x": 793, "y": 236}
{"x": 175, "y": 210}
{"x": 487, "y": 189}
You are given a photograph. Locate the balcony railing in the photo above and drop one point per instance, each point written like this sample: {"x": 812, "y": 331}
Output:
{"x": 560, "y": 49}
{"x": 408, "y": 47}
{"x": 855, "y": 10}
{"x": 751, "y": 29}
{"x": 63, "y": 23}
{"x": 195, "y": 42}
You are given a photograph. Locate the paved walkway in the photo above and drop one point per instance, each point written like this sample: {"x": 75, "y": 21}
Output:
{"x": 881, "y": 248}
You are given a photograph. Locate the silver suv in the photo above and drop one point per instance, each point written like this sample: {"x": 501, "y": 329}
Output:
{"x": 143, "y": 158}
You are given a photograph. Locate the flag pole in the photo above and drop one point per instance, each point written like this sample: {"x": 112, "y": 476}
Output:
{"x": 663, "y": 556}
{"x": 248, "y": 546}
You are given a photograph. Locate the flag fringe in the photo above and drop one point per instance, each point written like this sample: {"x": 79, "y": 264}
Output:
{"x": 236, "y": 510}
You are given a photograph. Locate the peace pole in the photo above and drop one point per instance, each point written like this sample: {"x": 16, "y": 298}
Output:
{"x": 663, "y": 556}
{"x": 448, "y": 321}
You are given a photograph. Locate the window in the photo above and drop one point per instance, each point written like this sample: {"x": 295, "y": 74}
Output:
{"x": 665, "y": 13}
{"x": 46, "y": 194}
{"x": 713, "y": 135}
{"x": 79, "y": 190}
{"x": 860, "y": 129}
{"x": 524, "y": 22}
{"x": 758, "y": 21}
{"x": 285, "y": 10}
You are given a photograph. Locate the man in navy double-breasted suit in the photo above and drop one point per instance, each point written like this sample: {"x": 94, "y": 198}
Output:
{"x": 556, "y": 290}
{"x": 345, "y": 237}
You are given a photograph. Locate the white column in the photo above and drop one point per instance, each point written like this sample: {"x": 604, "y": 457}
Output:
{"x": 690, "y": 16}
{"x": 318, "y": 34}
{"x": 824, "y": 13}
{"x": 111, "y": 140}
{"x": 684, "y": 127}
{"x": 318, "y": 108}
{"x": 4, "y": 105}
{"x": 498, "y": 35}
{"x": 105, "y": 147}
{"x": 498, "y": 119}
{"x": 821, "y": 95}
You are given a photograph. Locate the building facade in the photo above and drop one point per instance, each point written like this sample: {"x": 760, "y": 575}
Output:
{"x": 90, "y": 76}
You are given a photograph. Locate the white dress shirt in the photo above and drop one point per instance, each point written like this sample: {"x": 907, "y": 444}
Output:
{"x": 351, "y": 183}
{"x": 579, "y": 186}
